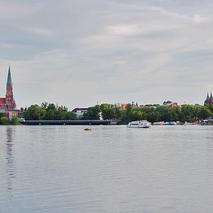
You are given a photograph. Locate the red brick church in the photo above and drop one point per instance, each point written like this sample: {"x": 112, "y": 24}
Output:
{"x": 7, "y": 104}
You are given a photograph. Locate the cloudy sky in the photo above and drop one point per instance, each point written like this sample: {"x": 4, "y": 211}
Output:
{"x": 80, "y": 52}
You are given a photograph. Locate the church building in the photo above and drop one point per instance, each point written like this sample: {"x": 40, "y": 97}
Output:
{"x": 209, "y": 99}
{"x": 7, "y": 103}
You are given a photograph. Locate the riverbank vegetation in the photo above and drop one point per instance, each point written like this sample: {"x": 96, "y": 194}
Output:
{"x": 4, "y": 120}
{"x": 152, "y": 113}
{"x": 48, "y": 112}
{"x": 156, "y": 113}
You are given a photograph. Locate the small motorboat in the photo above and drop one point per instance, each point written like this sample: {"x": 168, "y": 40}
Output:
{"x": 139, "y": 124}
{"x": 87, "y": 129}
{"x": 170, "y": 123}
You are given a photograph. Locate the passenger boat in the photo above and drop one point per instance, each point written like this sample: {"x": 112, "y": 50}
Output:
{"x": 139, "y": 124}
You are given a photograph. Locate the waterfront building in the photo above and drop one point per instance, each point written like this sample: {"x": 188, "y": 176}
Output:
{"x": 79, "y": 112}
{"x": 170, "y": 104}
{"x": 209, "y": 99}
{"x": 7, "y": 103}
{"x": 133, "y": 105}
{"x": 123, "y": 107}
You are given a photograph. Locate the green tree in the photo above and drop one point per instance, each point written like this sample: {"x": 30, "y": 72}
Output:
{"x": 14, "y": 121}
{"x": 48, "y": 112}
{"x": 93, "y": 113}
{"x": 35, "y": 112}
{"x": 4, "y": 120}
{"x": 110, "y": 112}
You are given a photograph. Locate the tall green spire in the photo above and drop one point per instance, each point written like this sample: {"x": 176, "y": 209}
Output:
{"x": 9, "y": 78}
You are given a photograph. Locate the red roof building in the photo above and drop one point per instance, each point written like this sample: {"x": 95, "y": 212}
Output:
{"x": 2, "y": 101}
{"x": 8, "y": 104}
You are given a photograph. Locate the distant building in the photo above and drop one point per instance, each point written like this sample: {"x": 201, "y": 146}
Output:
{"x": 150, "y": 105}
{"x": 8, "y": 104}
{"x": 170, "y": 104}
{"x": 123, "y": 107}
{"x": 209, "y": 99}
{"x": 79, "y": 112}
{"x": 134, "y": 105}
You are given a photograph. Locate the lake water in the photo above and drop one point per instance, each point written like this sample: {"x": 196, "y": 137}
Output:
{"x": 64, "y": 169}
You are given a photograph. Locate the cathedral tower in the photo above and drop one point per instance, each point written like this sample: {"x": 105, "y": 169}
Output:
{"x": 9, "y": 99}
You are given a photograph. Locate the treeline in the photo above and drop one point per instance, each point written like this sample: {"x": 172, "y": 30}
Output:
{"x": 189, "y": 113}
{"x": 152, "y": 113}
{"x": 47, "y": 111}
{"x": 4, "y": 120}
{"x": 104, "y": 111}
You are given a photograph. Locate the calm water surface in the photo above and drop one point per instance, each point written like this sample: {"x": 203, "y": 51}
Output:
{"x": 63, "y": 169}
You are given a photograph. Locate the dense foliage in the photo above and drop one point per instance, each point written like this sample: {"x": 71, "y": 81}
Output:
{"x": 152, "y": 113}
{"x": 93, "y": 113}
{"x": 4, "y": 120}
{"x": 106, "y": 111}
{"x": 189, "y": 113}
{"x": 48, "y": 112}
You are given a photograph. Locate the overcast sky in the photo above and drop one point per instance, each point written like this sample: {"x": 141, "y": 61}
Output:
{"x": 80, "y": 52}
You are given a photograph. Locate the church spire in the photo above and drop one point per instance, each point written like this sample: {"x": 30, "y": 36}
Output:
{"x": 207, "y": 101}
{"x": 10, "y": 102}
{"x": 211, "y": 99}
{"x": 9, "y": 78}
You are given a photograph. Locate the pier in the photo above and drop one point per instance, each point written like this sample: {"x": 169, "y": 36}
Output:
{"x": 68, "y": 122}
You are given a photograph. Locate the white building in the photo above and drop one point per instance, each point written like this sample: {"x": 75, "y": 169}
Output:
{"x": 80, "y": 112}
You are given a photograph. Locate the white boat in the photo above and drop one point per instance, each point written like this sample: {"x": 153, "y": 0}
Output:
{"x": 170, "y": 123}
{"x": 166, "y": 123}
{"x": 139, "y": 124}
{"x": 160, "y": 123}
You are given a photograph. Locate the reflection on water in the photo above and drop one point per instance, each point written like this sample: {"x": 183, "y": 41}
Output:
{"x": 9, "y": 157}
{"x": 209, "y": 137}
{"x": 109, "y": 169}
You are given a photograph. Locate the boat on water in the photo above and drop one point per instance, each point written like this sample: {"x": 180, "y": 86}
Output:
{"x": 159, "y": 123}
{"x": 87, "y": 129}
{"x": 139, "y": 124}
{"x": 165, "y": 123}
{"x": 170, "y": 123}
